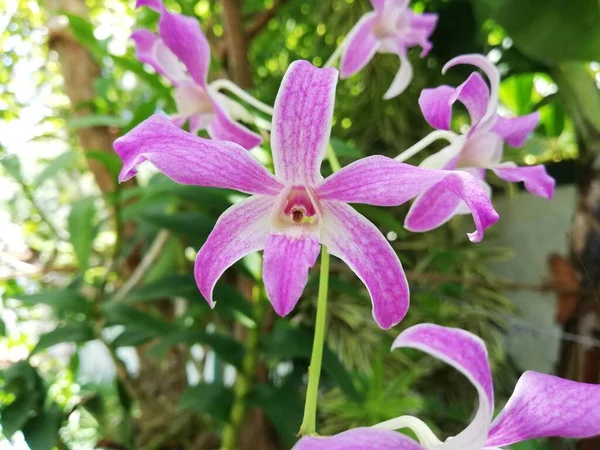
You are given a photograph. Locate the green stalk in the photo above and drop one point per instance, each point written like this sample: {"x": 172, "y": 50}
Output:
{"x": 245, "y": 378}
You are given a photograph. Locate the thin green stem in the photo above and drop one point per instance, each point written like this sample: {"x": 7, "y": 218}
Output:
{"x": 332, "y": 157}
{"x": 245, "y": 378}
{"x": 309, "y": 422}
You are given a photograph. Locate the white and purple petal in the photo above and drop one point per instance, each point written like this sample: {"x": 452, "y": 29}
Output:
{"x": 223, "y": 128}
{"x": 402, "y": 78}
{"x": 359, "y": 439}
{"x": 421, "y": 29}
{"x": 515, "y": 130}
{"x": 547, "y": 406}
{"x": 362, "y": 46}
{"x": 382, "y": 181}
{"x": 536, "y": 178}
{"x": 356, "y": 241}
{"x": 302, "y": 122}
{"x": 242, "y": 229}
{"x": 286, "y": 262}
{"x": 466, "y": 353}
{"x": 188, "y": 159}
{"x": 150, "y": 50}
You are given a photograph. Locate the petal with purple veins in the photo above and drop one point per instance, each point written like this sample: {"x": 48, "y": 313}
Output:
{"x": 536, "y": 179}
{"x": 515, "y": 130}
{"x": 466, "y": 353}
{"x": 545, "y": 406}
{"x": 356, "y": 241}
{"x": 302, "y": 122}
{"x": 286, "y": 262}
{"x": 188, "y": 159}
{"x": 359, "y": 439}
{"x": 242, "y": 229}
{"x": 362, "y": 46}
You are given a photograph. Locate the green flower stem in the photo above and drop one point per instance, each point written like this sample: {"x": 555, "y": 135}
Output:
{"x": 309, "y": 422}
{"x": 332, "y": 157}
{"x": 245, "y": 378}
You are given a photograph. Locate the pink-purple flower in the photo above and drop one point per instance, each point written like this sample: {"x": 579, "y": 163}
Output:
{"x": 540, "y": 406}
{"x": 478, "y": 149}
{"x": 181, "y": 53}
{"x": 290, "y": 213}
{"x": 391, "y": 28}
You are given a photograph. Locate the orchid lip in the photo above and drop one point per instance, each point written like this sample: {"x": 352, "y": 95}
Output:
{"x": 297, "y": 212}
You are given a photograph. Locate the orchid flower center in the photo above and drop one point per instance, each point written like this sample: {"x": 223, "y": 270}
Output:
{"x": 298, "y": 212}
{"x": 192, "y": 99}
{"x": 392, "y": 23}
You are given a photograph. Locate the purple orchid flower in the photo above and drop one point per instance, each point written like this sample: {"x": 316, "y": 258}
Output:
{"x": 540, "y": 406}
{"x": 478, "y": 149}
{"x": 391, "y": 28}
{"x": 289, "y": 214}
{"x": 181, "y": 53}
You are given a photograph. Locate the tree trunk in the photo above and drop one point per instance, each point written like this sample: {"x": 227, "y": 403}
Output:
{"x": 237, "y": 43}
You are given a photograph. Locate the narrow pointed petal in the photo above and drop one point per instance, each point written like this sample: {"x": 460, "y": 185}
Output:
{"x": 183, "y": 36}
{"x": 359, "y": 439}
{"x": 362, "y": 46}
{"x": 242, "y": 229}
{"x": 188, "y": 159}
{"x": 432, "y": 209}
{"x": 150, "y": 50}
{"x": 381, "y": 181}
{"x": 466, "y": 353}
{"x": 536, "y": 179}
{"x": 515, "y": 130}
{"x": 224, "y": 128}
{"x": 446, "y": 157}
{"x": 356, "y": 241}
{"x": 286, "y": 262}
{"x": 436, "y": 104}
{"x": 402, "y": 79}
{"x": 547, "y": 406}
{"x": 422, "y": 27}
{"x": 493, "y": 74}
{"x": 302, "y": 122}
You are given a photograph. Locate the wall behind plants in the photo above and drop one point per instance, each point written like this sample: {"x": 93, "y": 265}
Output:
{"x": 106, "y": 341}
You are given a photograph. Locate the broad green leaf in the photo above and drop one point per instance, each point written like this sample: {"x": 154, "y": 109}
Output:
{"x": 134, "y": 336}
{"x": 96, "y": 120}
{"x": 119, "y": 313}
{"x": 83, "y": 31}
{"x": 12, "y": 165}
{"x": 552, "y": 30}
{"x": 343, "y": 150}
{"x": 287, "y": 342}
{"x": 214, "y": 400}
{"x": 81, "y": 229}
{"x": 69, "y": 332}
{"x": 553, "y": 119}
{"x": 141, "y": 112}
{"x": 515, "y": 93}
{"x": 383, "y": 217}
{"x": 60, "y": 299}
{"x": 174, "y": 285}
{"x": 41, "y": 431}
{"x": 15, "y": 415}
{"x": 110, "y": 160}
{"x": 59, "y": 163}
{"x": 195, "y": 225}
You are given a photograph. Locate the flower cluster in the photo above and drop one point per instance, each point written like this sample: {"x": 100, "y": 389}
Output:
{"x": 290, "y": 213}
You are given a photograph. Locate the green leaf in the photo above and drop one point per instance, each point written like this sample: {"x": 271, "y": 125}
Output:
{"x": 15, "y": 415}
{"x": 214, "y": 400}
{"x": 515, "y": 93}
{"x": 133, "y": 337}
{"x": 2, "y": 328}
{"x": 172, "y": 285}
{"x": 141, "y": 112}
{"x": 553, "y": 119}
{"x": 81, "y": 229}
{"x": 41, "y": 432}
{"x": 60, "y": 299}
{"x": 344, "y": 150}
{"x": 110, "y": 160}
{"x": 69, "y": 332}
{"x": 119, "y": 313}
{"x": 286, "y": 342}
{"x": 12, "y": 165}
{"x": 552, "y": 30}
{"x": 96, "y": 120}
{"x": 59, "y": 163}
{"x": 193, "y": 224}
{"x": 83, "y": 31}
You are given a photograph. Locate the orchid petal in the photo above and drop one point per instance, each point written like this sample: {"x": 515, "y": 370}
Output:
{"x": 188, "y": 159}
{"x": 286, "y": 262}
{"x": 183, "y": 36}
{"x": 466, "y": 353}
{"x": 402, "y": 79}
{"x": 200, "y": 122}
{"x": 242, "y": 229}
{"x": 362, "y": 46}
{"x": 436, "y": 104}
{"x": 224, "y": 128}
{"x": 378, "y": 5}
{"x": 359, "y": 439}
{"x": 446, "y": 157}
{"x": 482, "y": 149}
{"x": 190, "y": 99}
{"x": 514, "y": 130}
{"x": 356, "y": 241}
{"x": 491, "y": 72}
{"x": 432, "y": 209}
{"x": 544, "y": 406}
{"x": 421, "y": 29}
{"x": 536, "y": 179}
{"x": 302, "y": 122}
{"x": 150, "y": 50}
{"x": 381, "y": 181}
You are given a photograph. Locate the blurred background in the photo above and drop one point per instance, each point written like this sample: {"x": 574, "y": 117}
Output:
{"x": 106, "y": 342}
